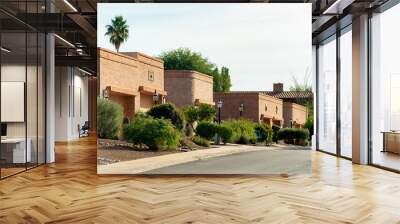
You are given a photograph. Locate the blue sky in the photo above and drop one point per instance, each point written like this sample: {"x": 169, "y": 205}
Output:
{"x": 259, "y": 43}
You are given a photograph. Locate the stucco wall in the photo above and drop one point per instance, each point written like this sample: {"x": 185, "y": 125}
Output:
{"x": 185, "y": 87}
{"x": 271, "y": 107}
{"x": 126, "y": 74}
{"x": 295, "y": 112}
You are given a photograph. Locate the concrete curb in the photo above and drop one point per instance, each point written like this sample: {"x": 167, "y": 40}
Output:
{"x": 146, "y": 164}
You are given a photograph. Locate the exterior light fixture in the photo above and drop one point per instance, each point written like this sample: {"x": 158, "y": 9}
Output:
{"x": 5, "y": 50}
{"x": 219, "y": 105}
{"x": 70, "y": 6}
{"x": 64, "y": 40}
{"x": 241, "y": 108}
{"x": 155, "y": 97}
{"x": 106, "y": 93}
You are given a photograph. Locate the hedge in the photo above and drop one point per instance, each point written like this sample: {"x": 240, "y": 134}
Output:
{"x": 225, "y": 134}
{"x": 294, "y": 135}
{"x": 242, "y": 131}
{"x": 206, "y": 130}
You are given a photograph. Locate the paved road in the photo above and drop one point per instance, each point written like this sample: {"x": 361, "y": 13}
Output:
{"x": 282, "y": 161}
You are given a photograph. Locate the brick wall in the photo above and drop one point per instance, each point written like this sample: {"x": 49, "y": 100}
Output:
{"x": 185, "y": 87}
{"x": 231, "y": 103}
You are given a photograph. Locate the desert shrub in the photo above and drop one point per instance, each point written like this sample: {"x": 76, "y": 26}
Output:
{"x": 206, "y": 112}
{"x": 109, "y": 118}
{"x": 294, "y": 135}
{"x": 242, "y": 130}
{"x": 263, "y": 133}
{"x": 201, "y": 141}
{"x": 157, "y": 134}
{"x": 225, "y": 133}
{"x": 310, "y": 125}
{"x": 168, "y": 111}
{"x": 275, "y": 130}
{"x": 206, "y": 130}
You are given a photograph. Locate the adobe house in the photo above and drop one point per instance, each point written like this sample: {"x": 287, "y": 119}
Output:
{"x": 294, "y": 115}
{"x": 131, "y": 79}
{"x": 299, "y": 97}
{"x": 256, "y": 106}
{"x": 187, "y": 87}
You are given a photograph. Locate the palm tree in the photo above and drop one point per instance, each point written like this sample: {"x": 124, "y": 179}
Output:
{"x": 118, "y": 31}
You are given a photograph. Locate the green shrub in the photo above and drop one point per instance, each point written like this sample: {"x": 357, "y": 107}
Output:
{"x": 225, "y": 134}
{"x": 275, "y": 130}
{"x": 206, "y": 112}
{"x": 242, "y": 130}
{"x": 109, "y": 118}
{"x": 310, "y": 125}
{"x": 294, "y": 135}
{"x": 157, "y": 134}
{"x": 201, "y": 141}
{"x": 168, "y": 111}
{"x": 263, "y": 133}
{"x": 206, "y": 130}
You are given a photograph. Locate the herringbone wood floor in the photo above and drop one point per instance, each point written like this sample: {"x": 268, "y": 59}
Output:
{"x": 69, "y": 191}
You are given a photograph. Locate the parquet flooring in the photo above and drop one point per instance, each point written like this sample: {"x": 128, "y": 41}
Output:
{"x": 70, "y": 191}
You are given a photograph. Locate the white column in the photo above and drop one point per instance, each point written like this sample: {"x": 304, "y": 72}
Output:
{"x": 360, "y": 90}
{"x": 314, "y": 90}
{"x": 50, "y": 100}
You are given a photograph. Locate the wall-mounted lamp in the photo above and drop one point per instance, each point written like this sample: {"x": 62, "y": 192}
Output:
{"x": 155, "y": 97}
{"x": 106, "y": 93}
{"x": 241, "y": 109}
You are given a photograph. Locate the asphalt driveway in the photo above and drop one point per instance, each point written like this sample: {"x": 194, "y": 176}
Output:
{"x": 283, "y": 161}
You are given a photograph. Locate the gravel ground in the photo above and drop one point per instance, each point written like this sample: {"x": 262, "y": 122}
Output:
{"x": 112, "y": 151}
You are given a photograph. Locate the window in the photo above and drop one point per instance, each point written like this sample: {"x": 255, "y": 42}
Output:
{"x": 151, "y": 75}
{"x": 346, "y": 93}
{"x": 22, "y": 64}
{"x": 327, "y": 95}
{"x": 385, "y": 89}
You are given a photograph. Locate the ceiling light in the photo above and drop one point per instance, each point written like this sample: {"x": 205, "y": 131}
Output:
{"x": 84, "y": 71}
{"x": 70, "y": 5}
{"x": 337, "y": 7}
{"x": 65, "y": 41}
{"x": 5, "y": 50}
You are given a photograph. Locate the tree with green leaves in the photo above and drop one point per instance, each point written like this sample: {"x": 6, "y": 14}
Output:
{"x": 118, "y": 31}
{"x": 216, "y": 80}
{"x": 186, "y": 59}
{"x": 225, "y": 80}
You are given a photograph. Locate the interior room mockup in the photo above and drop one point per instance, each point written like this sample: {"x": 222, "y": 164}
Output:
{"x": 354, "y": 78}
{"x": 356, "y": 82}
{"x": 48, "y": 79}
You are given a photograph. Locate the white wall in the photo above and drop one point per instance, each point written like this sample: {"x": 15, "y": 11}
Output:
{"x": 71, "y": 103}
